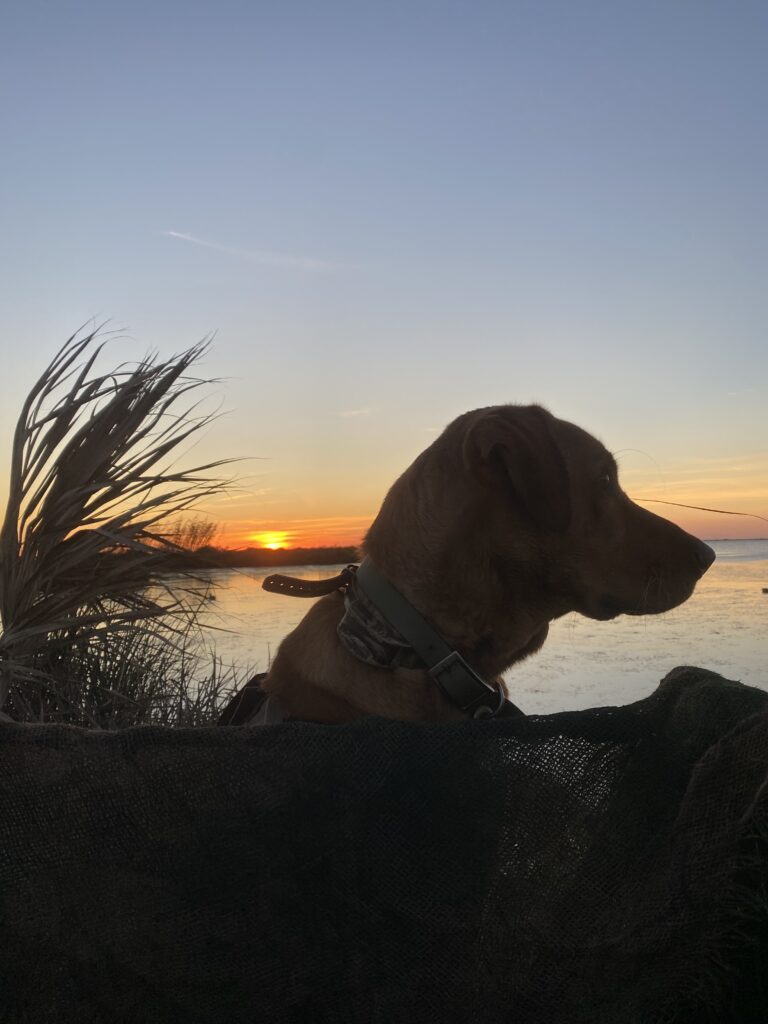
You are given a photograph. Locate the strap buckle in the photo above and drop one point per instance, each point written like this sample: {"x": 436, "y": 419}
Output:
{"x": 464, "y": 688}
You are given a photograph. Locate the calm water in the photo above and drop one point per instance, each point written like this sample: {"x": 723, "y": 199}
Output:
{"x": 584, "y": 663}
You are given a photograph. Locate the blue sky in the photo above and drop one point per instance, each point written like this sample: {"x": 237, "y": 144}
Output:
{"x": 394, "y": 212}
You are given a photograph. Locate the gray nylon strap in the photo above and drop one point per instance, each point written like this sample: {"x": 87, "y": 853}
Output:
{"x": 460, "y": 684}
{"x": 414, "y": 628}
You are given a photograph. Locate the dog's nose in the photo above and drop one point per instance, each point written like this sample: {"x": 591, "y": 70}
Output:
{"x": 705, "y": 556}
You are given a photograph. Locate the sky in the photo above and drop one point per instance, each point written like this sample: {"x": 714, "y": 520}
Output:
{"x": 391, "y": 213}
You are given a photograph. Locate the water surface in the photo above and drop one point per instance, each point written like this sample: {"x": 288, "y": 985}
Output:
{"x": 584, "y": 663}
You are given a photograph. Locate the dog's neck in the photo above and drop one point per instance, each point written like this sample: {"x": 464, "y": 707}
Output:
{"x": 456, "y": 587}
{"x": 487, "y": 606}
{"x": 491, "y": 625}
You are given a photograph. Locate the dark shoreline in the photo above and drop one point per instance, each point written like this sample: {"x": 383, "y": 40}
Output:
{"x": 263, "y": 558}
{"x": 734, "y": 540}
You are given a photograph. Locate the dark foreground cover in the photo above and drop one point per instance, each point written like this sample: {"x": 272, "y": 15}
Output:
{"x": 577, "y": 868}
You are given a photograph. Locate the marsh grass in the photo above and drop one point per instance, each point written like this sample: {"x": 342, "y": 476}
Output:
{"x": 97, "y": 628}
{"x": 126, "y": 681}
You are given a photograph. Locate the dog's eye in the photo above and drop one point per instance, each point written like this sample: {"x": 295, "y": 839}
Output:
{"x": 608, "y": 482}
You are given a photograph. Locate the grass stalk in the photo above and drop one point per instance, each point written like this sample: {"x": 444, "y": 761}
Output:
{"x": 89, "y": 537}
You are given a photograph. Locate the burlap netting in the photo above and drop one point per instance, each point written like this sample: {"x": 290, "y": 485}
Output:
{"x": 597, "y": 866}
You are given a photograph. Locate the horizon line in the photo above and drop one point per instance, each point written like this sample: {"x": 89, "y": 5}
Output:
{"x": 331, "y": 547}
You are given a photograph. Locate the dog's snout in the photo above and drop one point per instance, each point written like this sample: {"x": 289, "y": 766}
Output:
{"x": 705, "y": 556}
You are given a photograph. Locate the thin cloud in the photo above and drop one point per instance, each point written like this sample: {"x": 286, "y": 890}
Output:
{"x": 242, "y": 495}
{"x": 286, "y": 524}
{"x": 356, "y": 412}
{"x": 269, "y": 259}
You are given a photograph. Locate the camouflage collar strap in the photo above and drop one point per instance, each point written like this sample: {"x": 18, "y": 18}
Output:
{"x": 369, "y": 636}
{"x": 382, "y": 628}
{"x": 410, "y": 641}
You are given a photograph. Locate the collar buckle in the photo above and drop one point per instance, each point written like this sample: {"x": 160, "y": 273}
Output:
{"x": 465, "y": 689}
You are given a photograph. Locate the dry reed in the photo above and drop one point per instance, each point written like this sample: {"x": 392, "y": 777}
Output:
{"x": 89, "y": 537}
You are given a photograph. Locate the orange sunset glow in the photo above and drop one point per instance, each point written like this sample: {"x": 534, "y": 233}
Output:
{"x": 740, "y": 491}
{"x": 330, "y": 531}
{"x": 314, "y": 501}
{"x": 272, "y": 540}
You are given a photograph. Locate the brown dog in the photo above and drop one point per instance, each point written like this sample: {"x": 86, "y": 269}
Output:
{"x": 510, "y": 519}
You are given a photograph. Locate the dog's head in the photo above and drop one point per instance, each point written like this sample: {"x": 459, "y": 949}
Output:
{"x": 521, "y": 509}
{"x": 558, "y": 488}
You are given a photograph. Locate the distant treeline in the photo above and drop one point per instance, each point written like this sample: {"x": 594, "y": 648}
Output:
{"x": 209, "y": 557}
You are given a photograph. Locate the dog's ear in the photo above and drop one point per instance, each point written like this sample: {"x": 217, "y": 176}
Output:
{"x": 515, "y": 444}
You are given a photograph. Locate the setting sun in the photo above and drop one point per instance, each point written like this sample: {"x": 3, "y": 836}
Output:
{"x": 272, "y": 540}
